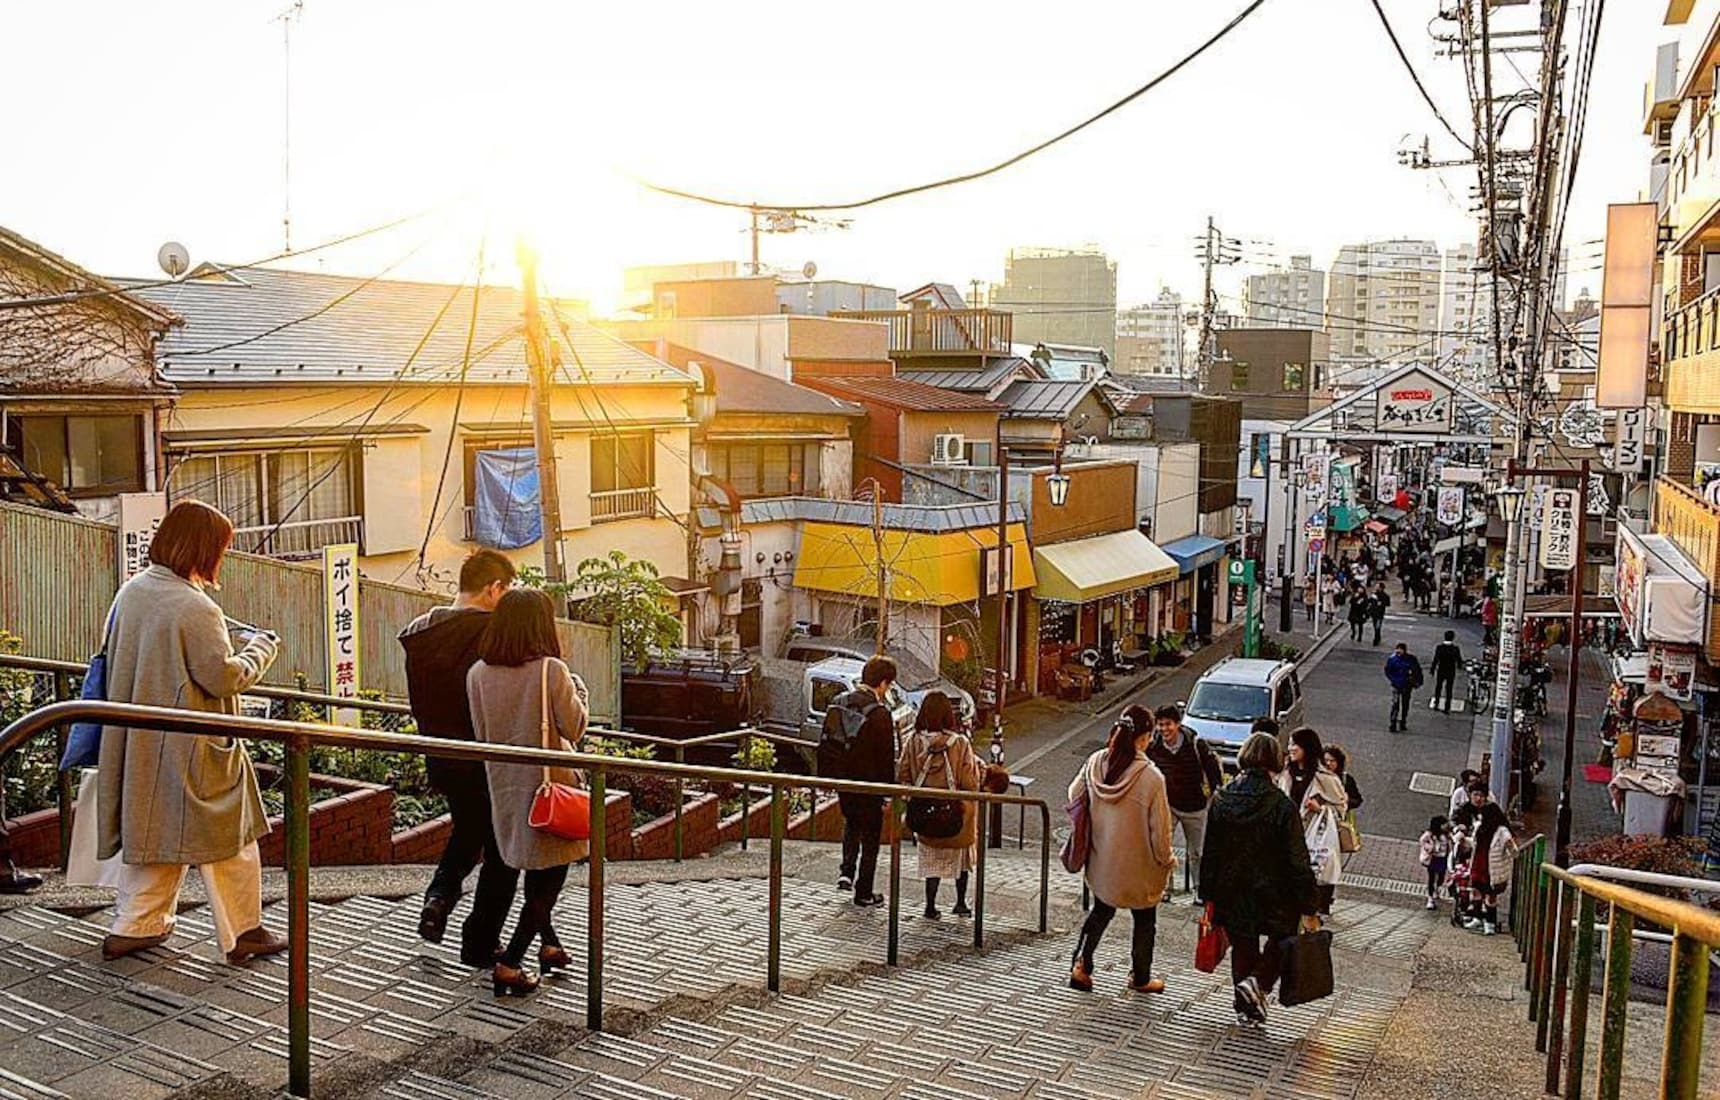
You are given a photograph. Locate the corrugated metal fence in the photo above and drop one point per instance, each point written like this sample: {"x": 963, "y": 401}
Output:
{"x": 58, "y": 575}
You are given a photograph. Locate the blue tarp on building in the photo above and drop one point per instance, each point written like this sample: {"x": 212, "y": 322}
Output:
{"x": 506, "y": 499}
{"x": 1195, "y": 551}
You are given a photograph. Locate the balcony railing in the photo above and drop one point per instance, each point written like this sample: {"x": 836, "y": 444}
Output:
{"x": 623, "y": 504}
{"x": 1682, "y": 515}
{"x": 942, "y": 331}
{"x": 299, "y": 539}
{"x": 1690, "y": 345}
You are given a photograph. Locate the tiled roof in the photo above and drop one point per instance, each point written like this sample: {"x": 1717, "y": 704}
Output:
{"x": 1049, "y": 400}
{"x": 259, "y": 324}
{"x": 900, "y": 393}
{"x": 983, "y": 380}
{"x": 80, "y": 279}
{"x": 742, "y": 390}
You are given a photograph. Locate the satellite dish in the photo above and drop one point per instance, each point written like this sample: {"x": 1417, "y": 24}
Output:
{"x": 173, "y": 258}
{"x": 809, "y": 269}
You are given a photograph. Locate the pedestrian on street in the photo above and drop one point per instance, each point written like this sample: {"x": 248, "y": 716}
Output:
{"x": 1337, "y": 761}
{"x": 1329, "y": 601}
{"x": 1466, "y": 779}
{"x": 1447, "y": 659}
{"x": 167, "y": 800}
{"x": 1435, "y": 855}
{"x": 522, "y": 694}
{"x": 939, "y": 756}
{"x": 858, "y": 742}
{"x": 1476, "y": 799}
{"x": 1377, "y": 604}
{"x": 1313, "y": 788}
{"x": 1489, "y": 621}
{"x": 1255, "y": 872}
{"x": 1130, "y": 860}
{"x": 1191, "y": 773}
{"x": 1403, "y": 672}
{"x": 1490, "y": 868}
{"x": 1360, "y": 572}
{"x": 1310, "y": 598}
{"x": 1359, "y": 603}
{"x": 441, "y": 647}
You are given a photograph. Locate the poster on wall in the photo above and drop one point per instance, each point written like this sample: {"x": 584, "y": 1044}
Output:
{"x": 1559, "y": 530}
{"x": 1673, "y": 668}
{"x": 1628, "y": 568}
{"x": 1416, "y": 402}
{"x": 140, "y": 515}
{"x": 1451, "y": 505}
{"x": 1316, "y": 475}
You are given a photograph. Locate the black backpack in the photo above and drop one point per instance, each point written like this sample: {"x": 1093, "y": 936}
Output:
{"x": 842, "y": 725}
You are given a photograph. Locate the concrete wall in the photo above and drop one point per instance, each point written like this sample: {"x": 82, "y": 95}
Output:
{"x": 918, "y": 429}
{"x": 1166, "y": 484}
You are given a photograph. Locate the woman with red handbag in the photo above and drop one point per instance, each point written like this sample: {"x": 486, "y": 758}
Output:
{"x": 522, "y": 694}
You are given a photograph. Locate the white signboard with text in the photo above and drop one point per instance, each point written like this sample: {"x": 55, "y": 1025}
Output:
{"x": 140, "y": 515}
{"x": 340, "y": 603}
{"x": 1451, "y": 505}
{"x": 1316, "y": 475}
{"x": 1416, "y": 402}
{"x": 1560, "y": 531}
{"x": 1629, "y": 436}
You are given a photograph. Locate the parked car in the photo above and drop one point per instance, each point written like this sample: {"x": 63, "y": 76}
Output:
{"x": 690, "y": 695}
{"x": 914, "y": 676}
{"x": 1230, "y": 695}
{"x": 797, "y": 695}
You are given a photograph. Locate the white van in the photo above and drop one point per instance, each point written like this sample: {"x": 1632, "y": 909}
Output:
{"x": 1230, "y": 695}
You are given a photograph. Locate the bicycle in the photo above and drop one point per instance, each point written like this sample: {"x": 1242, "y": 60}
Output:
{"x": 1478, "y": 690}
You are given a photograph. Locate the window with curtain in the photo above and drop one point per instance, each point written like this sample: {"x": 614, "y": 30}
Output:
{"x": 767, "y": 469}
{"x": 88, "y": 455}
{"x": 261, "y": 489}
{"x": 623, "y": 460}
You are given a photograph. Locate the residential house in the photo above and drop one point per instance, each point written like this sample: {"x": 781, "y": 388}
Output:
{"x": 910, "y": 426}
{"x": 322, "y": 409}
{"x": 1068, "y": 361}
{"x": 936, "y": 329}
{"x": 1276, "y": 373}
{"x": 82, "y": 403}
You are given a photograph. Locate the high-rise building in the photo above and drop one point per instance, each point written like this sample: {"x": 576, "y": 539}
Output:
{"x": 1465, "y": 315}
{"x": 1291, "y": 297}
{"x": 1152, "y": 338}
{"x": 1382, "y": 302}
{"x": 1060, "y": 296}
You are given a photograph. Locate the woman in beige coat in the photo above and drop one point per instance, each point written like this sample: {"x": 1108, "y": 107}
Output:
{"x": 166, "y": 800}
{"x": 1313, "y": 788}
{"x": 1130, "y": 859}
{"x": 939, "y": 756}
{"x": 519, "y": 668}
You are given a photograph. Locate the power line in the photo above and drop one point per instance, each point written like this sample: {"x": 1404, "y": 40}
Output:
{"x": 1416, "y": 77}
{"x": 459, "y": 402}
{"x": 968, "y": 177}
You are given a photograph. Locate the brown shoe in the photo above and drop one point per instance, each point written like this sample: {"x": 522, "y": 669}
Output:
{"x": 1080, "y": 977}
{"x": 118, "y": 947}
{"x": 257, "y": 942}
{"x": 1151, "y": 985}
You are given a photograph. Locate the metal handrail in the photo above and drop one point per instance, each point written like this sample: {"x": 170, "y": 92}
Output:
{"x": 1556, "y": 932}
{"x": 298, "y": 737}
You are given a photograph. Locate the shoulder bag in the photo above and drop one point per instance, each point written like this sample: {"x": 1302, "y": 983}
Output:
{"x": 938, "y": 818}
{"x": 1079, "y": 843}
{"x": 1306, "y": 959}
{"x": 1214, "y": 941}
{"x": 559, "y": 809}
{"x": 84, "y": 743}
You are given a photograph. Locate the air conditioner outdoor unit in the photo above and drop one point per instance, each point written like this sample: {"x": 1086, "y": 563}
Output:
{"x": 949, "y": 450}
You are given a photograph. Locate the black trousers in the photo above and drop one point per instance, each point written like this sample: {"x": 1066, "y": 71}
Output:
{"x": 1400, "y": 707}
{"x": 1443, "y": 682}
{"x": 1140, "y": 945}
{"x": 862, "y": 826}
{"x": 543, "y": 887}
{"x": 1249, "y": 958}
{"x": 473, "y": 836}
{"x": 1356, "y": 629}
{"x": 1378, "y": 623}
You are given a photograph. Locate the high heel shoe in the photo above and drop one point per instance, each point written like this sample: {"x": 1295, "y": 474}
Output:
{"x": 551, "y": 959}
{"x": 509, "y": 982}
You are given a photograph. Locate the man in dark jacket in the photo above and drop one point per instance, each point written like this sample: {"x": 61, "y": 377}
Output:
{"x": 1377, "y": 604}
{"x": 1192, "y": 772}
{"x": 1256, "y": 872}
{"x": 859, "y": 742}
{"x": 1358, "y": 613}
{"x": 1447, "y": 658}
{"x": 441, "y": 647}
{"x": 1403, "y": 672}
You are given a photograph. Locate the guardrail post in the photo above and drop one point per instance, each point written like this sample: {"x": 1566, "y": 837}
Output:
{"x": 1686, "y": 1004}
{"x": 63, "y": 779}
{"x": 981, "y": 817}
{"x": 746, "y": 800}
{"x": 1544, "y": 958}
{"x": 1566, "y": 897}
{"x": 1582, "y": 969}
{"x": 594, "y": 902}
{"x": 1615, "y": 1000}
{"x": 893, "y": 951}
{"x": 778, "y": 825}
{"x": 298, "y": 814}
{"x": 1044, "y": 869}
{"x": 680, "y": 799}
{"x": 1537, "y": 937}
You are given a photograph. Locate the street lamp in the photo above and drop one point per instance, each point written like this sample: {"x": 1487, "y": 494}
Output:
{"x": 1057, "y": 485}
{"x": 1510, "y": 500}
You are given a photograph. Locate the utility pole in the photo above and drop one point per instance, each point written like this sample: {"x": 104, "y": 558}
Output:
{"x": 753, "y": 268}
{"x": 540, "y": 360}
{"x": 883, "y": 567}
{"x": 1214, "y": 250}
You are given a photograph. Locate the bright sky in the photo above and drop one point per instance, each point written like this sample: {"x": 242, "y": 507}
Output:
{"x": 137, "y": 123}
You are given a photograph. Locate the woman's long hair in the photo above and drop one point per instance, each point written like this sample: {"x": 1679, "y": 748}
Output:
{"x": 937, "y": 715}
{"x": 1312, "y": 751}
{"x": 521, "y": 629}
{"x": 1492, "y": 820}
{"x": 1120, "y": 749}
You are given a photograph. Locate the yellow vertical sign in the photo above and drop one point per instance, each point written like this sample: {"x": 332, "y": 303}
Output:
{"x": 340, "y": 641}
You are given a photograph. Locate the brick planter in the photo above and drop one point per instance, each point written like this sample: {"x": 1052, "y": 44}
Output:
{"x": 799, "y": 825}
{"x": 354, "y": 828}
{"x": 656, "y": 839}
{"x": 424, "y": 843}
{"x": 36, "y": 838}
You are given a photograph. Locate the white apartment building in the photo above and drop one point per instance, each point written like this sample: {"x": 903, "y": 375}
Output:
{"x": 1465, "y": 315}
{"x": 1290, "y": 297}
{"x": 1152, "y": 338}
{"x": 1382, "y": 302}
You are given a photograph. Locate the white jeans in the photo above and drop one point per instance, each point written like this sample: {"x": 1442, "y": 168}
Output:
{"x": 149, "y": 895}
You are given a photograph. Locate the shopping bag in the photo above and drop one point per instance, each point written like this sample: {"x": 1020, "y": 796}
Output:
{"x": 82, "y": 866}
{"x": 1080, "y": 839}
{"x": 1209, "y": 949}
{"x": 1323, "y": 851}
{"x": 1305, "y": 968}
{"x": 1349, "y": 834}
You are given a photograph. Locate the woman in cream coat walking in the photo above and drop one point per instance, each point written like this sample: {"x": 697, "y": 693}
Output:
{"x": 938, "y": 756}
{"x": 167, "y": 800}
{"x": 1130, "y": 859}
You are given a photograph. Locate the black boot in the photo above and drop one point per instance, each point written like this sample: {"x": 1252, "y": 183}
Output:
{"x": 1081, "y": 966}
{"x": 961, "y": 909}
{"x": 932, "y": 899}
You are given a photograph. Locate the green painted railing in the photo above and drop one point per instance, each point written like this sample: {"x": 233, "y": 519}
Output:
{"x": 299, "y": 737}
{"x": 1554, "y": 920}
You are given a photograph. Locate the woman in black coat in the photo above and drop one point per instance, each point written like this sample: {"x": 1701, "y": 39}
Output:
{"x": 1255, "y": 871}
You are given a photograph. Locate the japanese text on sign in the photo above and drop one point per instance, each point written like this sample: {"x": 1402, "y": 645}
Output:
{"x": 140, "y": 515}
{"x": 340, "y": 600}
{"x": 1415, "y": 402}
{"x": 1628, "y": 438}
{"x": 1559, "y": 530}
{"x": 1316, "y": 469}
{"x": 1451, "y": 505}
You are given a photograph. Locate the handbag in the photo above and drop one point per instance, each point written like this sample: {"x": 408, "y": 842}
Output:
{"x": 1322, "y": 840}
{"x": 1305, "y": 973}
{"x": 84, "y": 742}
{"x": 1349, "y": 834}
{"x": 938, "y": 818}
{"x": 559, "y": 809}
{"x": 1079, "y": 842}
{"x": 1213, "y": 942}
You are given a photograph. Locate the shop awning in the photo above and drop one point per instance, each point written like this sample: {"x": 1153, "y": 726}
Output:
{"x": 1388, "y": 514}
{"x": 1558, "y": 606}
{"x": 1195, "y": 551}
{"x": 1346, "y": 519}
{"x": 1104, "y": 565}
{"x": 1376, "y": 527}
{"x": 937, "y": 568}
